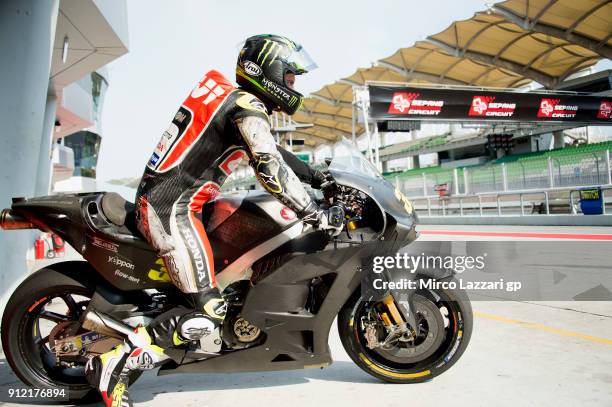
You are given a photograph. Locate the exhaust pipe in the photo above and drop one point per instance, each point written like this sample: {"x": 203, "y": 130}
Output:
{"x": 106, "y": 325}
{"x": 10, "y": 221}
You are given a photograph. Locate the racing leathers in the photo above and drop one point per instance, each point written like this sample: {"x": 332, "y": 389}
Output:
{"x": 214, "y": 129}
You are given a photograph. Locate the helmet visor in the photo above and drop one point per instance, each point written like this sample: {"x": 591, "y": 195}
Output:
{"x": 300, "y": 60}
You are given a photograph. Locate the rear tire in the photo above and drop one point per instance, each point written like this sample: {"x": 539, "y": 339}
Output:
{"x": 448, "y": 348}
{"x": 20, "y": 338}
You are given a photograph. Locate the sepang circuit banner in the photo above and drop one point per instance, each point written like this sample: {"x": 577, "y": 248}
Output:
{"x": 413, "y": 103}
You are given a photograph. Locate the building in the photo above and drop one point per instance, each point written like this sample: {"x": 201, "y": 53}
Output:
{"x": 53, "y": 83}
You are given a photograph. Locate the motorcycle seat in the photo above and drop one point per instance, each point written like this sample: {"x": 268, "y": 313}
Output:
{"x": 119, "y": 211}
{"x": 119, "y": 221}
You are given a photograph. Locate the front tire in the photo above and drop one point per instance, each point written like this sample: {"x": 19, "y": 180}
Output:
{"x": 442, "y": 346}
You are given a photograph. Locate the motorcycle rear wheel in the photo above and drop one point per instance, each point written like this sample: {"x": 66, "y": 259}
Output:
{"x": 27, "y": 350}
{"x": 447, "y": 343}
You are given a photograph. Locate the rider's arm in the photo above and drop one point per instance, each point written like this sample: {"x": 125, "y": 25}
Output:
{"x": 304, "y": 172}
{"x": 272, "y": 171}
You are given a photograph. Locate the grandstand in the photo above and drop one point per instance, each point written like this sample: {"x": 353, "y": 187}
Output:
{"x": 580, "y": 165}
{"x": 513, "y": 46}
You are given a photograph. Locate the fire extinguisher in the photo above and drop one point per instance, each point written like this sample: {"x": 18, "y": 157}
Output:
{"x": 39, "y": 249}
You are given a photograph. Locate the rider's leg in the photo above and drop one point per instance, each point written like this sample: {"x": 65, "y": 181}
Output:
{"x": 182, "y": 242}
{"x": 109, "y": 372}
{"x": 188, "y": 257}
{"x": 209, "y": 307}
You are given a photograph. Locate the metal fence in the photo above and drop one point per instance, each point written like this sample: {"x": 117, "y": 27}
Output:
{"x": 580, "y": 169}
{"x": 575, "y": 170}
{"x": 563, "y": 201}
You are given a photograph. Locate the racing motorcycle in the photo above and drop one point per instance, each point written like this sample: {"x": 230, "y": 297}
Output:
{"x": 283, "y": 282}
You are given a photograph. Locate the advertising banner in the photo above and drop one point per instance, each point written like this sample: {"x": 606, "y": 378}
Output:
{"x": 412, "y": 103}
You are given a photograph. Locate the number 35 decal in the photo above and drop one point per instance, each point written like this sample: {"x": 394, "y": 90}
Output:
{"x": 405, "y": 201}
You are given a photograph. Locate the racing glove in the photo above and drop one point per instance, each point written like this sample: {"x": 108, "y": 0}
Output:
{"x": 326, "y": 183}
{"x": 330, "y": 220}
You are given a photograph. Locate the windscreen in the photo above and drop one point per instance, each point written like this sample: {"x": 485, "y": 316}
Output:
{"x": 348, "y": 159}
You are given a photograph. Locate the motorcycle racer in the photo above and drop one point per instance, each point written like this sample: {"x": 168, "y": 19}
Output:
{"x": 213, "y": 130}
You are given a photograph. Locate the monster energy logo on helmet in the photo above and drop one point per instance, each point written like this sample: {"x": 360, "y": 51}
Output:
{"x": 276, "y": 56}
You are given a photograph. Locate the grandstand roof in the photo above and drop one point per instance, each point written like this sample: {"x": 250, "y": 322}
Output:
{"x": 509, "y": 45}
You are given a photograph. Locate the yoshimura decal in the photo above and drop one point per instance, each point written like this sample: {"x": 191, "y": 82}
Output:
{"x": 120, "y": 262}
{"x": 553, "y": 108}
{"x": 251, "y": 68}
{"x": 485, "y": 106}
{"x": 410, "y": 104}
{"x": 605, "y": 110}
{"x": 103, "y": 244}
{"x": 196, "y": 252}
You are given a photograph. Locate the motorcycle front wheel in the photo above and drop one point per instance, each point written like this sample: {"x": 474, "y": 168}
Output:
{"x": 445, "y": 327}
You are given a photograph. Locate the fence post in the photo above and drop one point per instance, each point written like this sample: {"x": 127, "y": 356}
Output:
{"x": 608, "y": 173}
{"x": 455, "y": 181}
{"x": 572, "y": 207}
{"x": 424, "y": 184}
{"x": 465, "y": 182}
{"x": 551, "y": 177}
{"x": 504, "y": 177}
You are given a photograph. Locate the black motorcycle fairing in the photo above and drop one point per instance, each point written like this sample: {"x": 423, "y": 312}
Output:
{"x": 117, "y": 253}
{"x": 60, "y": 214}
{"x": 295, "y": 338}
{"x": 384, "y": 194}
{"x": 238, "y": 222}
{"x": 84, "y": 273}
{"x": 235, "y": 223}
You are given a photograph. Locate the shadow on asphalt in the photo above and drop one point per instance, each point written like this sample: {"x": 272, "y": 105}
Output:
{"x": 150, "y": 385}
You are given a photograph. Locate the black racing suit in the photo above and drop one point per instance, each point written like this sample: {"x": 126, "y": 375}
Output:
{"x": 214, "y": 129}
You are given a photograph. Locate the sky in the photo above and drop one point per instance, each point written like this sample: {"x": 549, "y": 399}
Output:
{"x": 172, "y": 44}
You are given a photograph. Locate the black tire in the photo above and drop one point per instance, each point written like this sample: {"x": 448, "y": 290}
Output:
{"x": 450, "y": 348}
{"x": 18, "y": 344}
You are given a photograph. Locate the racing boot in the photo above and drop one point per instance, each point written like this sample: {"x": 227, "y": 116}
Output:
{"x": 203, "y": 324}
{"x": 109, "y": 372}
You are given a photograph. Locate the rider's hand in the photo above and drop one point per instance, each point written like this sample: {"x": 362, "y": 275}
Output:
{"x": 332, "y": 220}
{"x": 326, "y": 183}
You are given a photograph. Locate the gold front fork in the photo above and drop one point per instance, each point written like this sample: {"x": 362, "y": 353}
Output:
{"x": 395, "y": 314}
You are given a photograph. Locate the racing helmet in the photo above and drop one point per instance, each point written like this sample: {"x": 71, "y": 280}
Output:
{"x": 263, "y": 62}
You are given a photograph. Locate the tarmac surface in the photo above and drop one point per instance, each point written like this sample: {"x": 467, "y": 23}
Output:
{"x": 521, "y": 353}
